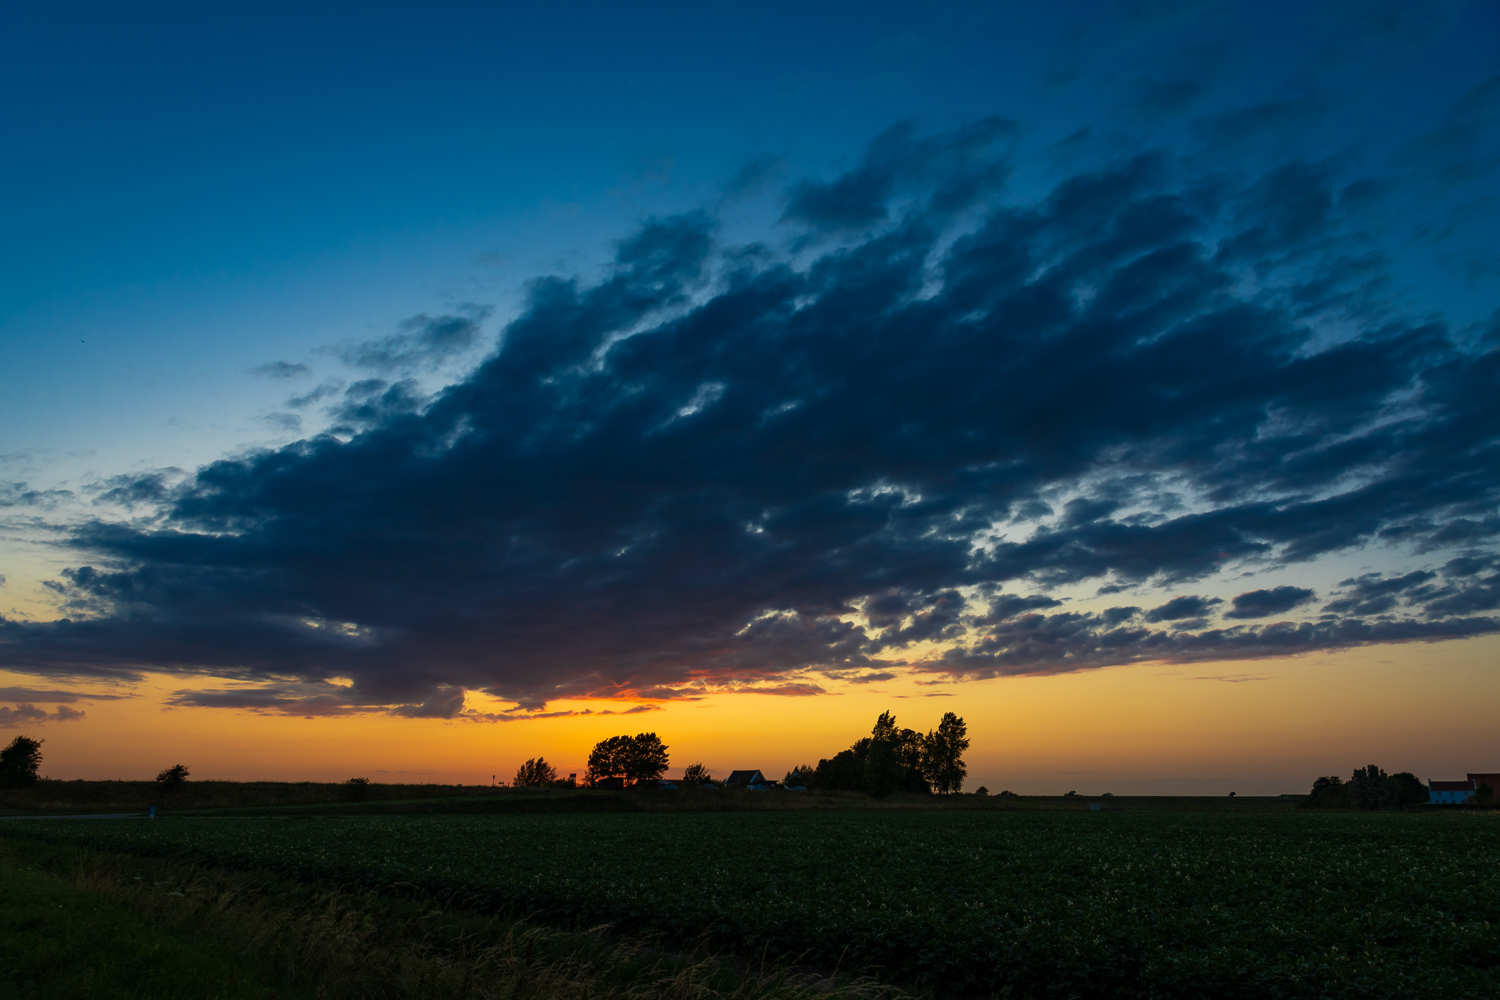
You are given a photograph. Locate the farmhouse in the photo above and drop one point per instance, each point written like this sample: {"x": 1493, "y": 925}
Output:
{"x": 1480, "y": 780}
{"x": 746, "y": 779}
{"x": 1450, "y": 793}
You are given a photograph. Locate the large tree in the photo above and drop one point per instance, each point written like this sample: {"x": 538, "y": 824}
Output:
{"x": 943, "y": 755}
{"x": 647, "y": 760}
{"x": 638, "y": 758}
{"x": 19, "y": 761}
{"x": 893, "y": 759}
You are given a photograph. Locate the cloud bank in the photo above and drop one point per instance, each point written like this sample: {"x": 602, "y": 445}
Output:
{"x": 737, "y": 467}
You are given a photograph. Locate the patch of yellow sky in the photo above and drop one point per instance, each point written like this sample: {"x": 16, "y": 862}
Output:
{"x": 1253, "y": 727}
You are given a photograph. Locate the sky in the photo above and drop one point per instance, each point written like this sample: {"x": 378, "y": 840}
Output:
{"x": 409, "y": 391}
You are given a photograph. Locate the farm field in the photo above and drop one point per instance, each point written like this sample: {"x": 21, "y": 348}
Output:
{"x": 1039, "y": 903}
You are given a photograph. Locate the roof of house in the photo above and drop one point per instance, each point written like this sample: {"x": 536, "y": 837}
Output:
{"x": 1493, "y": 780}
{"x": 753, "y": 777}
{"x": 1450, "y": 786}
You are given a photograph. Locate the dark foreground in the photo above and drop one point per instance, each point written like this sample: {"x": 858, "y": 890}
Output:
{"x": 1245, "y": 902}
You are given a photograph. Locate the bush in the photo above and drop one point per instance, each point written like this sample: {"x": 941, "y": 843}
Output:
{"x": 695, "y": 774}
{"x": 357, "y": 789}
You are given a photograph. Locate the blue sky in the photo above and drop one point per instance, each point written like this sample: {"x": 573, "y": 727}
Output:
{"x": 228, "y": 231}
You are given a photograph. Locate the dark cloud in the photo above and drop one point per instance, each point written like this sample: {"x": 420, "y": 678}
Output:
{"x": 67, "y": 697}
{"x": 1464, "y": 146}
{"x": 1179, "y": 608}
{"x": 14, "y": 494}
{"x": 721, "y": 470}
{"x": 1374, "y": 594}
{"x": 952, "y": 170}
{"x": 281, "y": 370}
{"x": 1276, "y": 601}
{"x": 1043, "y": 644}
{"x": 422, "y": 342}
{"x": 322, "y": 392}
{"x": 26, "y": 714}
{"x": 1232, "y": 131}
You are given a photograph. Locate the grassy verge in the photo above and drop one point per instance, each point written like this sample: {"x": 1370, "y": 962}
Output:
{"x": 82, "y": 923}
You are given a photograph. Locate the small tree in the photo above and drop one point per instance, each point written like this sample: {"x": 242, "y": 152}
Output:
{"x": 173, "y": 777}
{"x": 695, "y": 774}
{"x": 535, "y": 773}
{"x": 357, "y": 789}
{"x": 19, "y": 761}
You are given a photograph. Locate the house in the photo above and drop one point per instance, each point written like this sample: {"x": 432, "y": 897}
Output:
{"x": 746, "y": 779}
{"x": 1480, "y": 780}
{"x": 1450, "y": 793}
{"x": 616, "y": 784}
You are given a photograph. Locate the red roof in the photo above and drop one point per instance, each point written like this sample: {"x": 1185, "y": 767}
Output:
{"x": 1493, "y": 780}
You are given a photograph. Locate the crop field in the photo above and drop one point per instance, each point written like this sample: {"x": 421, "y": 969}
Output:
{"x": 961, "y": 903}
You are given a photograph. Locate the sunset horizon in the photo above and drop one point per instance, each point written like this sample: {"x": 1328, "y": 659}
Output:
{"x": 1134, "y": 402}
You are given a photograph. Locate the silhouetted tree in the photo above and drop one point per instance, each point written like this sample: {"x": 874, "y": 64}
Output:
{"x": 647, "y": 760}
{"x": 535, "y": 773}
{"x": 1410, "y": 791}
{"x": 696, "y": 774}
{"x": 357, "y": 789}
{"x": 943, "y": 757}
{"x": 800, "y": 776}
{"x": 19, "y": 761}
{"x": 174, "y": 776}
{"x": 893, "y": 759}
{"x": 844, "y": 771}
{"x": 1328, "y": 792}
{"x": 1372, "y": 788}
{"x": 607, "y": 759}
{"x": 638, "y": 758}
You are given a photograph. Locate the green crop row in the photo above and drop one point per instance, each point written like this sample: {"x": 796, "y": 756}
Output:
{"x": 1029, "y": 904}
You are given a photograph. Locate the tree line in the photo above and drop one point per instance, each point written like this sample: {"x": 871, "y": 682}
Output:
{"x": 893, "y": 759}
{"x": 1370, "y": 787}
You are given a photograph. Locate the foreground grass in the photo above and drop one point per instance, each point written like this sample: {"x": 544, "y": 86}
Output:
{"x": 61, "y": 938}
{"x": 77, "y": 923}
{"x": 1031, "y": 903}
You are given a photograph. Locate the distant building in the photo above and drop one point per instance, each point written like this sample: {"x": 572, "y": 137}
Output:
{"x": 746, "y": 779}
{"x": 1450, "y": 793}
{"x": 1493, "y": 780}
{"x": 616, "y": 784}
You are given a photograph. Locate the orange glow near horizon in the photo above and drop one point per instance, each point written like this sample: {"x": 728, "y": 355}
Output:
{"x": 1254, "y": 727}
